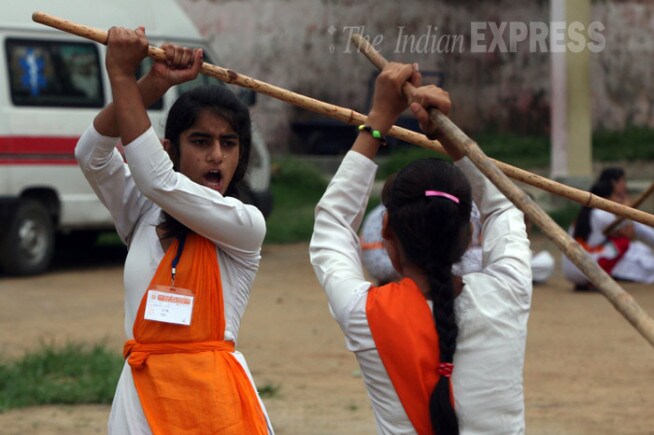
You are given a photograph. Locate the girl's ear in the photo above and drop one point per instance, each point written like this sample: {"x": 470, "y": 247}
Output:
{"x": 172, "y": 152}
{"x": 387, "y": 231}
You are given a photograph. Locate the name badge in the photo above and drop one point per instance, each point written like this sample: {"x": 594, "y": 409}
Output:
{"x": 169, "y": 305}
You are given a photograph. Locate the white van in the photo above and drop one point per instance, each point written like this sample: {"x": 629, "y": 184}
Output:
{"x": 51, "y": 86}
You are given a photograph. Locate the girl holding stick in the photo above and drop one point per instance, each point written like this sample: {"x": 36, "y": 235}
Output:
{"x": 194, "y": 247}
{"x": 438, "y": 354}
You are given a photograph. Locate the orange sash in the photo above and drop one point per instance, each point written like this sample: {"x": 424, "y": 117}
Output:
{"x": 404, "y": 332}
{"x": 186, "y": 377}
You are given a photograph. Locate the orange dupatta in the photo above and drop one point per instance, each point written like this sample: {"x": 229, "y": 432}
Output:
{"x": 404, "y": 332}
{"x": 186, "y": 377}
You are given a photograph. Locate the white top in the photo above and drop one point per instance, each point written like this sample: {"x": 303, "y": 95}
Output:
{"x": 637, "y": 264}
{"x": 492, "y": 310}
{"x": 134, "y": 195}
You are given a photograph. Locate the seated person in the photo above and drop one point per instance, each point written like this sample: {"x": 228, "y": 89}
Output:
{"x": 626, "y": 254}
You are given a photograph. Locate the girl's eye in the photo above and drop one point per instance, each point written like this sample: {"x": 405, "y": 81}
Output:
{"x": 199, "y": 142}
{"x": 230, "y": 143}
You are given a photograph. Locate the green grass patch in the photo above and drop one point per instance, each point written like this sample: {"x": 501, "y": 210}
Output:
{"x": 69, "y": 375}
{"x": 297, "y": 188}
{"x": 73, "y": 374}
{"x": 399, "y": 158}
{"x": 520, "y": 151}
{"x": 269, "y": 390}
{"x": 633, "y": 143}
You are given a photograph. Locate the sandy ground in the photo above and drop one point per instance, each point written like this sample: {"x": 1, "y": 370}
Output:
{"x": 587, "y": 369}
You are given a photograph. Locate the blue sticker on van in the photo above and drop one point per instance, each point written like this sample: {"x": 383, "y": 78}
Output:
{"x": 33, "y": 72}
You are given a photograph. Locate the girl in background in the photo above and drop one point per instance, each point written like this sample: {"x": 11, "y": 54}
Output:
{"x": 625, "y": 254}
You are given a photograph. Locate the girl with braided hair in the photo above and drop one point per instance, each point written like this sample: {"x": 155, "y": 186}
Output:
{"x": 438, "y": 354}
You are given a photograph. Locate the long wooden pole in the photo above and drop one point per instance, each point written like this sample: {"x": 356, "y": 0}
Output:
{"x": 622, "y": 301}
{"x": 349, "y": 116}
{"x": 643, "y": 196}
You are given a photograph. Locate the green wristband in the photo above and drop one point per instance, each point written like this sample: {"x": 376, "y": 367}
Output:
{"x": 374, "y": 133}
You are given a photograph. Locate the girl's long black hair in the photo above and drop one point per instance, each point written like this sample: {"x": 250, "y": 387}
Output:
{"x": 433, "y": 232}
{"x": 601, "y": 188}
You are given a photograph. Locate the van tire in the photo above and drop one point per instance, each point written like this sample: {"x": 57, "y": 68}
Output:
{"x": 28, "y": 244}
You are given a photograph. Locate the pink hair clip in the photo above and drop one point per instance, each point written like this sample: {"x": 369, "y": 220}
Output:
{"x": 442, "y": 194}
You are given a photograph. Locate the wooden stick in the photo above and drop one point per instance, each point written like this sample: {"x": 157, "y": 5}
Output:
{"x": 643, "y": 196}
{"x": 622, "y": 301}
{"x": 349, "y": 116}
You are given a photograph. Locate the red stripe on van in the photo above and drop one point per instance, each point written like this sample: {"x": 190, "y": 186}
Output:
{"x": 37, "y": 145}
{"x": 37, "y": 150}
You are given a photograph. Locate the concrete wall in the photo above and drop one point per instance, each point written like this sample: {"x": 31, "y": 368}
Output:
{"x": 302, "y": 45}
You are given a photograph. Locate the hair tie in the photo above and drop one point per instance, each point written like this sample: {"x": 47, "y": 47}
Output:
{"x": 445, "y": 369}
{"x": 442, "y": 194}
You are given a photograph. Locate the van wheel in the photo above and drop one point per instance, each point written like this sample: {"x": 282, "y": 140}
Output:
{"x": 28, "y": 244}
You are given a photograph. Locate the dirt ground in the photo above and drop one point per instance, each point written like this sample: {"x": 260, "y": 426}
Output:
{"x": 587, "y": 369}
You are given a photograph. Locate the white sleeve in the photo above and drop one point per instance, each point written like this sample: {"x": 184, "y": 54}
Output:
{"x": 601, "y": 219}
{"x": 505, "y": 247}
{"x": 110, "y": 178}
{"x": 334, "y": 248}
{"x": 236, "y": 227}
{"x": 644, "y": 233}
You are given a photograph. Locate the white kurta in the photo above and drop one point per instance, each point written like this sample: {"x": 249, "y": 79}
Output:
{"x": 492, "y": 310}
{"x": 637, "y": 264}
{"x": 135, "y": 195}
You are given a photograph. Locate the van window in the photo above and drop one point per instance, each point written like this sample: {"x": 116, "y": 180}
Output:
{"x": 54, "y": 73}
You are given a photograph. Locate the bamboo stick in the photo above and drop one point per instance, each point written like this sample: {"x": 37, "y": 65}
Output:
{"x": 621, "y": 300}
{"x": 349, "y": 116}
{"x": 643, "y": 196}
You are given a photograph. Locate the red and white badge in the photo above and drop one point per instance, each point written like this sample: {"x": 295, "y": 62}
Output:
{"x": 170, "y": 305}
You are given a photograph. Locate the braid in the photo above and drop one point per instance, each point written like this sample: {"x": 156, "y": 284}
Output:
{"x": 433, "y": 232}
{"x": 442, "y": 295}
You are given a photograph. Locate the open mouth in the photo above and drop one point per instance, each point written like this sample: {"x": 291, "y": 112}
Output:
{"x": 213, "y": 179}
